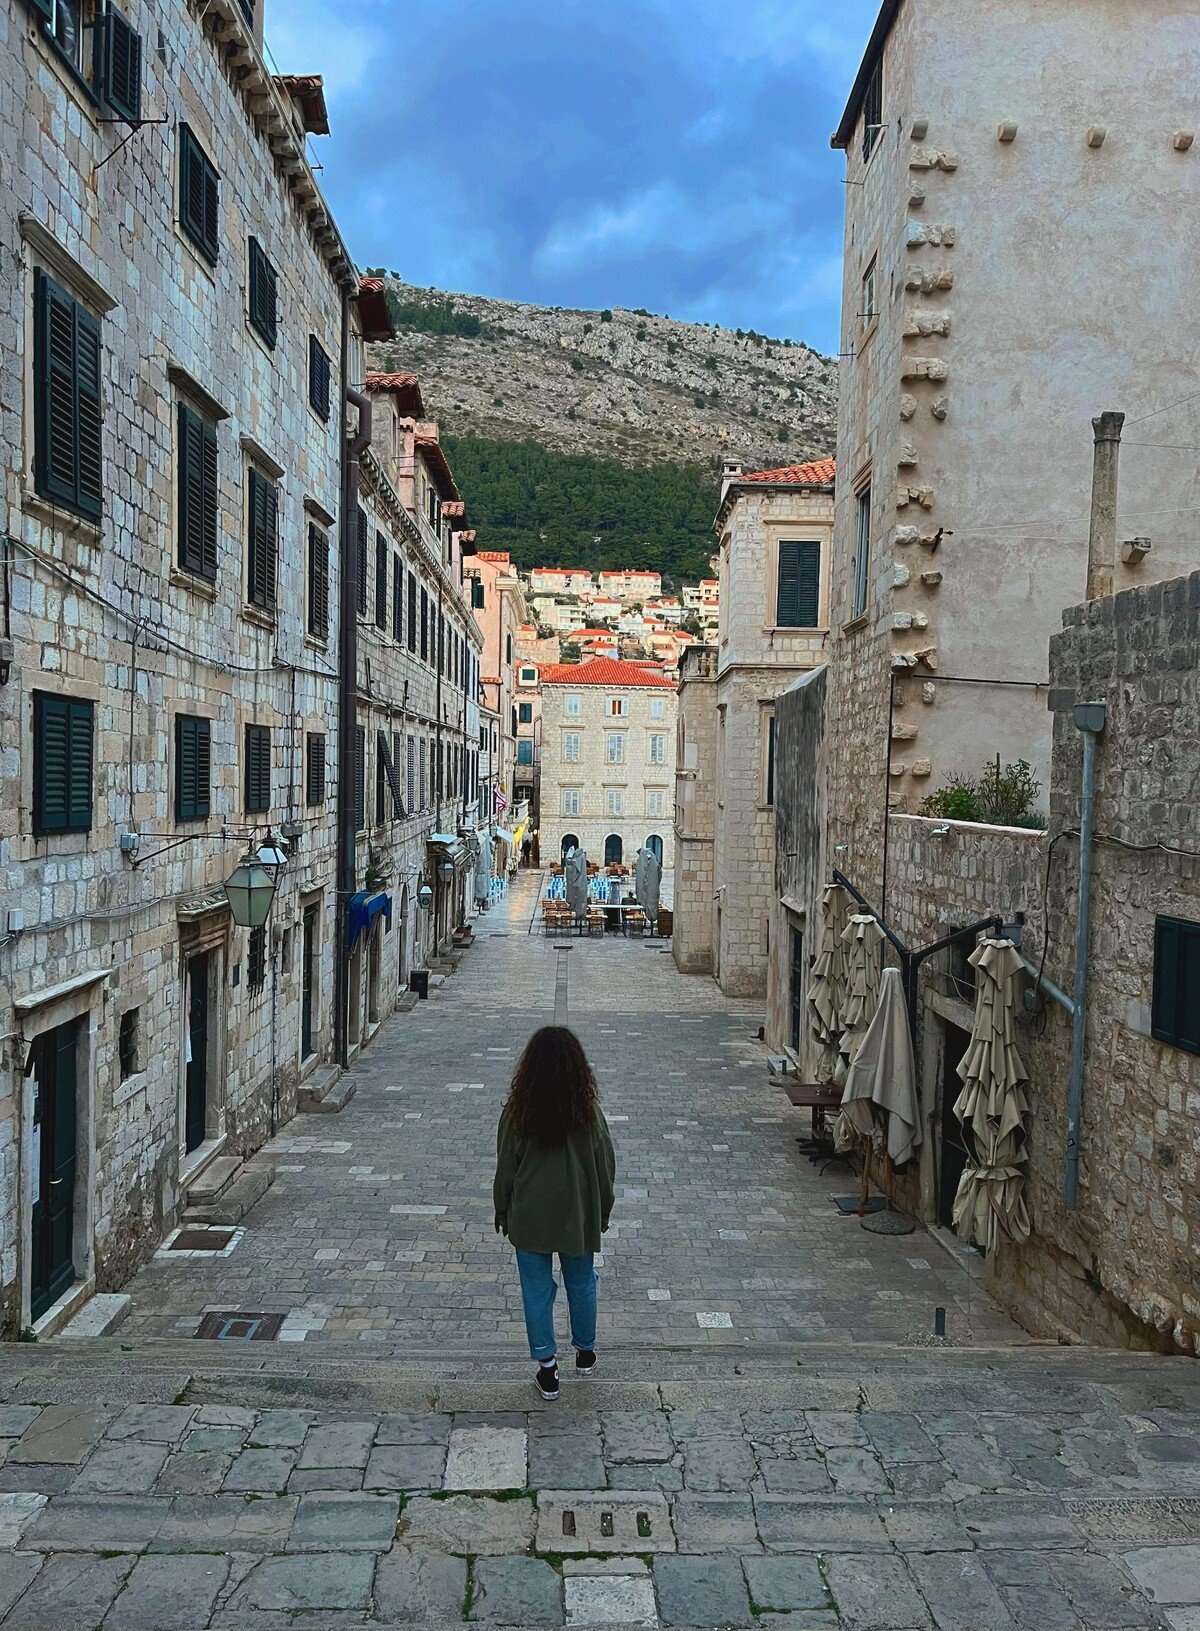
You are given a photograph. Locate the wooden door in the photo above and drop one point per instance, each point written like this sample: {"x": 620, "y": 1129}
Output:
{"x": 55, "y": 1070}
{"x": 797, "y": 986}
{"x": 308, "y": 975}
{"x": 196, "y": 1080}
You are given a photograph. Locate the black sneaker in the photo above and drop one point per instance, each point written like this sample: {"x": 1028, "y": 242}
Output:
{"x": 585, "y": 1361}
{"x": 546, "y": 1381}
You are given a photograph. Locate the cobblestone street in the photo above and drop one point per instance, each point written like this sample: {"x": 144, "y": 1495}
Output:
{"x": 772, "y": 1439}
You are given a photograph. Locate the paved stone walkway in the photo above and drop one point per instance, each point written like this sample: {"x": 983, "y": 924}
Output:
{"x": 379, "y": 1223}
{"x": 771, "y": 1441}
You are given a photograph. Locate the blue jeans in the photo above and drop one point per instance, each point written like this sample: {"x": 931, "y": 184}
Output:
{"x": 538, "y": 1290}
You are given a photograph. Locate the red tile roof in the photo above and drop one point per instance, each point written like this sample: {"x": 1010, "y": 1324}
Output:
{"x": 439, "y": 468}
{"x": 308, "y": 91}
{"x": 607, "y": 671}
{"x": 405, "y": 387}
{"x": 819, "y": 473}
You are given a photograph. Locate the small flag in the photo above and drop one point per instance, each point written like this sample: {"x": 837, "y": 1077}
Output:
{"x": 501, "y": 801}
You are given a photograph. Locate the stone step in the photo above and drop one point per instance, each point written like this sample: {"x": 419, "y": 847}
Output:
{"x": 314, "y": 1087}
{"x": 406, "y": 1002}
{"x": 242, "y": 1192}
{"x": 335, "y": 1099}
{"x": 100, "y": 1316}
{"x": 209, "y": 1184}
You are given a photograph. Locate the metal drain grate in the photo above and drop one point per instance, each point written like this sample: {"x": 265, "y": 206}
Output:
{"x": 201, "y": 1240}
{"x": 610, "y": 1523}
{"x": 230, "y": 1325}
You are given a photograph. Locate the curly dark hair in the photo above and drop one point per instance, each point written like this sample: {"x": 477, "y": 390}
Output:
{"x": 553, "y": 1092}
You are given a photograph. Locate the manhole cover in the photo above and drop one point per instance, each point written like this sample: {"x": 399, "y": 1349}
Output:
{"x": 622, "y": 1524}
{"x": 201, "y": 1240}
{"x": 229, "y": 1325}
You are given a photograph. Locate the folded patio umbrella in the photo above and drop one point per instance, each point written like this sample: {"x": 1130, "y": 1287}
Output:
{"x": 990, "y": 1203}
{"x": 483, "y": 869}
{"x": 576, "y": 878}
{"x": 860, "y": 942}
{"x": 651, "y": 886}
{"x": 880, "y": 1101}
{"x": 826, "y": 992}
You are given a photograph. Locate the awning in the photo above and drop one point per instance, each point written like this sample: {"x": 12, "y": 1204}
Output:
{"x": 364, "y": 908}
{"x": 446, "y": 847}
{"x": 504, "y": 834}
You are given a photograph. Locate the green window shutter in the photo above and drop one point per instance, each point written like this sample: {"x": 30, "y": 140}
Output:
{"x": 318, "y": 377}
{"x": 63, "y": 729}
{"x": 360, "y": 778}
{"x": 193, "y": 768}
{"x": 199, "y": 196}
{"x": 120, "y": 57}
{"x": 263, "y": 542}
{"x": 197, "y": 494}
{"x": 771, "y": 760}
{"x": 397, "y": 600}
{"x": 68, "y": 414}
{"x": 318, "y": 583}
{"x": 412, "y": 611}
{"x": 424, "y": 626}
{"x": 381, "y": 581}
{"x": 263, "y": 300}
{"x": 360, "y": 563}
{"x": 389, "y": 771}
{"x": 1175, "y": 1003}
{"x": 315, "y": 769}
{"x": 258, "y": 768}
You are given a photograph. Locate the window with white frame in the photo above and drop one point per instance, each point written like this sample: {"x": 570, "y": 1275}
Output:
{"x": 570, "y": 801}
{"x": 618, "y": 707}
{"x": 870, "y": 307}
{"x": 570, "y": 743}
{"x": 658, "y": 707}
{"x": 658, "y": 748}
{"x": 656, "y": 801}
{"x": 615, "y": 751}
{"x": 614, "y": 801}
{"x": 571, "y": 705}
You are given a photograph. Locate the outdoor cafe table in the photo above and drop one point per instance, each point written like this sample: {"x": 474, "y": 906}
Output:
{"x": 817, "y": 1097}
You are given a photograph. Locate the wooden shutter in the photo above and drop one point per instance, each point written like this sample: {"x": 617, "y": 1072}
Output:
{"x": 315, "y": 769}
{"x": 68, "y": 460}
{"x": 258, "y": 768}
{"x": 318, "y": 582}
{"x": 318, "y": 377}
{"x": 381, "y": 577}
{"x": 412, "y": 611}
{"x": 360, "y": 563}
{"x": 199, "y": 198}
{"x": 397, "y": 600}
{"x": 263, "y": 293}
{"x": 389, "y": 771}
{"x": 1175, "y": 1004}
{"x": 360, "y": 778}
{"x": 197, "y": 494}
{"x": 424, "y": 626}
{"x": 121, "y": 66}
{"x": 62, "y": 754}
{"x": 263, "y": 543}
{"x": 799, "y": 587}
{"x": 193, "y": 767}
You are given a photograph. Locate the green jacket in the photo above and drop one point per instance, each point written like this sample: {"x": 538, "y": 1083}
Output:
{"x": 554, "y": 1200}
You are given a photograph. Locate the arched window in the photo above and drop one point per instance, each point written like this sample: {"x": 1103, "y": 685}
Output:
{"x": 614, "y": 850}
{"x": 569, "y": 842}
{"x": 655, "y": 845}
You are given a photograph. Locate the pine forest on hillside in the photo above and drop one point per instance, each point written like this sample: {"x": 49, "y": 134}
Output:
{"x": 558, "y": 509}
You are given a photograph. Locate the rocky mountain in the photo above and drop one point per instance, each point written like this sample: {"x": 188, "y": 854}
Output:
{"x": 620, "y": 385}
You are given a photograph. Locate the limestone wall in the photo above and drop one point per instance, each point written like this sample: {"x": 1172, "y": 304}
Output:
{"x": 695, "y": 811}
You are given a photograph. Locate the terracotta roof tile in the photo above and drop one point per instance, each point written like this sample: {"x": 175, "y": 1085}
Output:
{"x": 374, "y": 315}
{"x": 607, "y": 671}
{"x": 308, "y": 90}
{"x": 405, "y": 387}
{"x": 819, "y": 473}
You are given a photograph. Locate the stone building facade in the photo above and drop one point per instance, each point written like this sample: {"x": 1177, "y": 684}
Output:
{"x": 500, "y": 611}
{"x": 774, "y": 528}
{"x": 172, "y": 435}
{"x": 528, "y": 771}
{"x": 695, "y": 810}
{"x": 974, "y": 177}
{"x": 608, "y": 761}
{"x": 418, "y": 649}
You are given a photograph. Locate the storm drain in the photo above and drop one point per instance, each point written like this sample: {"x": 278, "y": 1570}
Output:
{"x": 229, "y": 1325}
{"x": 570, "y": 1522}
{"x": 201, "y": 1240}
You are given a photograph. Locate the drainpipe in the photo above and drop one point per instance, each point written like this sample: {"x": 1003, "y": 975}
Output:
{"x": 347, "y": 688}
{"x": 1102, "y": 535}
{"x": 1090, "y": 719}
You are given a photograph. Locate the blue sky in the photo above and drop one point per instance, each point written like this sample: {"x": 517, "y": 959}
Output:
{"x": 672, "y": 154}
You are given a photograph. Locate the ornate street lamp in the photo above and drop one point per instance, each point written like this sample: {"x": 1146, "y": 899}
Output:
{"x": 425, "y": 898}
{"x": 250, "y": 891}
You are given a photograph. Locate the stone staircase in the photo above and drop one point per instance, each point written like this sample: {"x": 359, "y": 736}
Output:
{"x": 324, "y": 1092}
{"x": 226, "y": 1190}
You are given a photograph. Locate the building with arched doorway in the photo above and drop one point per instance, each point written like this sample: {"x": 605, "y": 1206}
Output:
{"x": 608, "y": 760}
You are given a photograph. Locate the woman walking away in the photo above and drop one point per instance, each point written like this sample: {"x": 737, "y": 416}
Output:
{"x": 554, "y": 1192}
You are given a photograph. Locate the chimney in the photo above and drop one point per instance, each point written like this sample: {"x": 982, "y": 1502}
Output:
{"x": 1102, "y": 534}
{"x": 731, "y": 469}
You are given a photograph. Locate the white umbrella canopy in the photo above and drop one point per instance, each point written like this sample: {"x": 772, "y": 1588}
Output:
{"x": 990, "y": 1203}
{"x": 483, "y": 870}
{"x": 826, "y": 992}
{"x": 880, "y": 1101}
{"x": 860, "y": 941}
